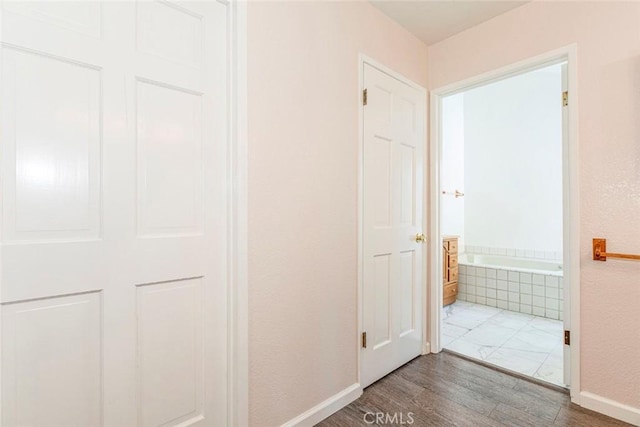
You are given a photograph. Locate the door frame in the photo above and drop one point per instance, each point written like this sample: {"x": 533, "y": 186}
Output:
{"x": 238, "y": 279}
{"x": 570, "y": 195}
{"x": 362, "y": 60}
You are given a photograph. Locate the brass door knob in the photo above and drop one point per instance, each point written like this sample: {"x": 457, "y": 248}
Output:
{"x": 421, "y": 238}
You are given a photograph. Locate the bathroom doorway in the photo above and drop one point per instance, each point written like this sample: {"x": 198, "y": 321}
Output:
{"x": 501, "y": 208}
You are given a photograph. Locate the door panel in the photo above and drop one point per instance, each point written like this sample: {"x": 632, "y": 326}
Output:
{"x": 52, "y": 148}
{"x": 170, "y": 352}
{"x": 382, "y": 292}
{"x": 64, "y": 387}
{"x": 170, "y": 31}
{"x": 113, "y": 151}
{"x": 169, "y": 160}
{"x": 392, "y": 259}
{"x": 406, "y": 300}
{"x": 379, "y": 155}
{"x": 407, "y": 176}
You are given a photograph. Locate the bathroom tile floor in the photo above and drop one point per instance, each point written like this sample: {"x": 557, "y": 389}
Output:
{"x": 519, "y": 342}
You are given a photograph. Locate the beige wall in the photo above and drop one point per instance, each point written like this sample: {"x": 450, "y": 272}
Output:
{"x": 303, "y": 162}
{"x": 608, "y": 39}
{"x": 303, "y": 135}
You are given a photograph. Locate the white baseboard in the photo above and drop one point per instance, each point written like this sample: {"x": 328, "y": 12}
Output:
{"x": 322, "y": 410}
{"x": 610, "y": 407}
{"x": 426, "y": 349}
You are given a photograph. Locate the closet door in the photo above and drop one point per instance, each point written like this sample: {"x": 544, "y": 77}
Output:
{"x": 114, "y": 213}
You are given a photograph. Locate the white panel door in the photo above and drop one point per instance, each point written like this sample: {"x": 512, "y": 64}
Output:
{"x": 113, "y": 145}
{"x": 393, "y": 258}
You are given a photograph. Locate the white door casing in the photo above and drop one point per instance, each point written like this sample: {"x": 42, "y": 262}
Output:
{"x": 566, "y": 303}
{"x": 114, "y": 149}
{"x": 571, "y": 201}
{"x": 393, "y": 261}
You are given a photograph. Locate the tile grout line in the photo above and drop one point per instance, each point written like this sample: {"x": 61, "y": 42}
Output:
{"x": 545, "y": 359}
{"x": 516, "y": 331}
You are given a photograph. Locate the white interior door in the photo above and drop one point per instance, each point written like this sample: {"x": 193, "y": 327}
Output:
{"x": 113, "y": 152}
{"x": 393, "y": 259}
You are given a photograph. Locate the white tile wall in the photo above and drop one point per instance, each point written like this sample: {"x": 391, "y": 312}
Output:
{"x": 520, "y": 253}
{"x": 537, "y": 294}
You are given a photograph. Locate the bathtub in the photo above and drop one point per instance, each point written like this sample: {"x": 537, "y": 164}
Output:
{"x": 523, "y": 285}
{"x": 511, "y": 263}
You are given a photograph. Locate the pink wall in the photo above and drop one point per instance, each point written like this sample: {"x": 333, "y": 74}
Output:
{"x": 303, "y": 162}
{"x": 608, "y": 39}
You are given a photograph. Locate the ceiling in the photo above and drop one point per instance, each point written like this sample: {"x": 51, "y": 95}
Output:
{"x": 435, "y": 20}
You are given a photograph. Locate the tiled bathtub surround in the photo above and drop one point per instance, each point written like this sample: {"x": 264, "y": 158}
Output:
{"x": 519, "y": 253}
{"x": 528, "y": 293}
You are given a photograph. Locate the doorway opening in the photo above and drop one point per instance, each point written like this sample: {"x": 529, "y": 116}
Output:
{"x": 502, "y": 204}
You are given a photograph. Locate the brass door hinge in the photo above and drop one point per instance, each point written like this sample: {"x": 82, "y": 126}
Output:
{"x": 364, "y": 97}
{"x": 567, "y": 337}
{"x": 565, "y": 98}
{"x": 364, "y": 340}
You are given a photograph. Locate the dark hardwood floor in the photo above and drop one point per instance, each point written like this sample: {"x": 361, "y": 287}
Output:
{"x": 446, "y": 390}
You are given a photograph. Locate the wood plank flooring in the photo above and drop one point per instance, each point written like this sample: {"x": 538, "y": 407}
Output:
{"x": 446, "y": 390}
